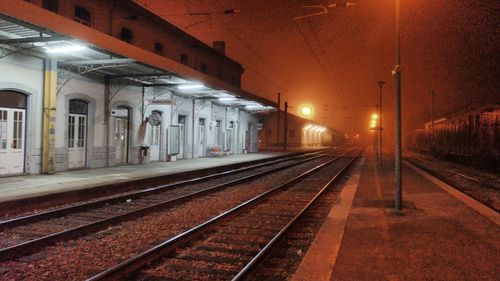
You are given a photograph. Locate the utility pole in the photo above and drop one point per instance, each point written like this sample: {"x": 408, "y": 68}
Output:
{"x": 380, "y": 85}
{"x": 398, "y": 189}
{"x": 278, "y": 129}
{"x": 432, "y": 121}
{"x": 286, "y": 126}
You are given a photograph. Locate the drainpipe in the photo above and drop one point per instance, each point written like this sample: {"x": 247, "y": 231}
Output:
{"x": 110, "y": 28}
{"x": 225, "y": 130}
{"x": 107, "y": 95}
{"x": 142, "y": 106}
{"x": 192, "y": 129}
{"x": 49, "y": 116}
{"x": 238, "y": 148}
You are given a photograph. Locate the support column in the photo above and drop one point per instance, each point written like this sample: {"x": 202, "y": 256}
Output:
{"x": 278, "y": 117}
{"x": 107, "y": 110}
{"x": 239, "y": 148}
{"x": 286, "y": 127}
{"x": 192, "y": 129}
{"x": 49, "y": 117}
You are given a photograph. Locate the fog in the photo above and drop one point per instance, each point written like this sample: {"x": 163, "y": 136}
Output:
{"x": 333, "y": 60}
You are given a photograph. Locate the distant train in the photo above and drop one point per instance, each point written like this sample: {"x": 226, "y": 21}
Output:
{"x": 471, "y": 136}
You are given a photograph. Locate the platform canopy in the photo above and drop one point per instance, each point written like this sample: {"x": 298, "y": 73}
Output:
{"x": 107, "y": 60}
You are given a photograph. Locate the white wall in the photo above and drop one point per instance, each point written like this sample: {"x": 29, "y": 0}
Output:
{"x": 26, "y": 74}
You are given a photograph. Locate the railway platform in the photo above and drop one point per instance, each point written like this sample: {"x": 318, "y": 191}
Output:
{"x": 439, "y": 236}
{"x": 22, "y": 188}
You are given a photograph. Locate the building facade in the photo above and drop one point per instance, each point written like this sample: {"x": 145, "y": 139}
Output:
{"x": 95, "y": 107}
{"x": 299, "y": 132}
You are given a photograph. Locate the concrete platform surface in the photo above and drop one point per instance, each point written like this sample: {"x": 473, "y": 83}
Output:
{"x": 17, "y": 187}
{"x": 438, "y": 237}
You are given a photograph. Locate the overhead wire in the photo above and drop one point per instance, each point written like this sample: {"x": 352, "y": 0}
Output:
{"x": 325, "y": 72}
{"x": 338, "y": 87}
{"x": 258, "y": 56}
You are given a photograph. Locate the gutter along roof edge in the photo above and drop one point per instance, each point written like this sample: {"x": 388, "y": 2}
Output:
{"x": 33, "y": 15}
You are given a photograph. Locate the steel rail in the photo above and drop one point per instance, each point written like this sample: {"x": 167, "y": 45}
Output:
{"x": 451, "y": 171}
{"x": 35, "y": 244}
{"x": 13, "y": 222}
{"x": 128, "y": 266}
{"x": 269, "y": 246}
{"x": 454, "y": 185}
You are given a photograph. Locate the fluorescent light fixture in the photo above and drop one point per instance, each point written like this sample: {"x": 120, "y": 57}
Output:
{"x": 40, "y": 44}
{"x": 190, "y": 87}
{"x": 308, "y": 127}
{"x": 70, "y": 48}
{"x": 250, "y": 106}
{"x": 227, "y": 98}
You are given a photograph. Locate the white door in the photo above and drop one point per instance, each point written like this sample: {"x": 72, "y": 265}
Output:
{"x": 121, "y": 140}
{"x": 181, "y": 120}
{"x": 201, "y": 138}
{"x": 218, "y": 134}
{"x": 77, "y": 141}
{"x": 182, "y": 139}
{"x": 12, "y": 127}
{"x": 246, "y": 143}
{"x": 154, "y": 143}
{"x": 229, "y": 140}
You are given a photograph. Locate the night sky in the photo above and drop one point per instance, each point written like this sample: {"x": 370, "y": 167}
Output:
{"x": 333, "y": 61}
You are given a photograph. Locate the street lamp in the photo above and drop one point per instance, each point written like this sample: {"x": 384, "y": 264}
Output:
{"x": 396, "y": 72}
{"x": 380, "y": 85}
{"x": 306, "y": 111}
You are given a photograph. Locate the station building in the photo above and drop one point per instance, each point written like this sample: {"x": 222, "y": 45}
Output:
{"x": 98, "y": 83}
{"x": 286, "y": 130}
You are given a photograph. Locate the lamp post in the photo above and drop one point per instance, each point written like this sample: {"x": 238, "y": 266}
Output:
{"x": 306, "y": 111}
{"x": 380, "y": 85}
{"x": 398, "y": 192}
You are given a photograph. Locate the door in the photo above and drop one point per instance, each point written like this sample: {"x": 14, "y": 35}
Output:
{"x": 229, "y": 140}
{"x": 218, "y": 134}
{"x": 121, "y": 126}
{"x": 12, "y": 128}
{"x": 154, "y": 142}
{"x": 201, "y": 137}
{"x": 181, "y": 120}
{"x": 77, "y": 134}
{"x": 247, "y": 138}
{"x": 154, "y": 135}
{"x": 246, "y": 144}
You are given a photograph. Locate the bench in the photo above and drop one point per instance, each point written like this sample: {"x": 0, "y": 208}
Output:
{"x": 215, "y": 151}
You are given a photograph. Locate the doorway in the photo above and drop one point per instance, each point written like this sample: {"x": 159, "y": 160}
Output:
{"x": 77, "y": 134}
{"x": 12, "y": 132}
{"x": 201, "y": 136}
{"x": 121, "y": 131}
{"x": 181, "y": 121}
{"x": 154, "y": 137}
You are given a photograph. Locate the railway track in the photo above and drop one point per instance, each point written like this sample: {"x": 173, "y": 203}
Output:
{"x": 27, "y": 234}
{"x": 479, "y": 189}
{"x": 229, "y": 245}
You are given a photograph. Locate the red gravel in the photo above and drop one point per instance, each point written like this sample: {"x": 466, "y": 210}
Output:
{"x": 81, "y": 258}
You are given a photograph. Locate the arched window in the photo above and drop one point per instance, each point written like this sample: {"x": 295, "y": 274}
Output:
{"x": 184, "y": 59}
{"x": 51, "y": 5}
{"x": 78, "y": 107}
{"x": 82, "y": 15}
{"x": 127, "y": 35}
{"x": 203, "y": 68}
{"x": 158, "y": 48}
{"x": 12, "y": 99}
